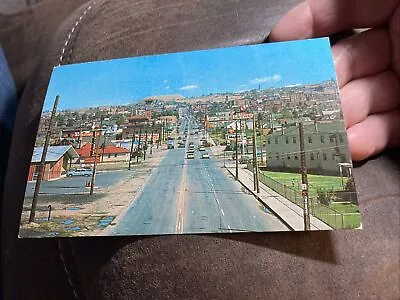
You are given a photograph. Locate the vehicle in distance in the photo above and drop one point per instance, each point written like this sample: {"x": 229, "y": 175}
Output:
{"x": 181, "y": 145}
{"x": 80, "y": 172}
{"x": 170, "y": 143}
{"x": 190, "y": 155}
{"x": 205, "y": 155}
{"x": 202, "y": 148}
{"x": 245, "y": 159}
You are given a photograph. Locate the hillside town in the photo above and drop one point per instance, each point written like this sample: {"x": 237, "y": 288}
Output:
{"x": 104, "y": 145}
{"x": 117, "y": 133}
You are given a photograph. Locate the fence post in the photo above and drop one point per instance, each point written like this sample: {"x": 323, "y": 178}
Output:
{"x": 343, "y": 221}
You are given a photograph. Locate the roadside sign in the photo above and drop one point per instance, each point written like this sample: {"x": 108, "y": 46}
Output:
{"x": 303, "y": 186}
{"x": 242, "y": 116}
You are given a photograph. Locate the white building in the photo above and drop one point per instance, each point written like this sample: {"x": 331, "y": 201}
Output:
{"x": 325, "y": 145}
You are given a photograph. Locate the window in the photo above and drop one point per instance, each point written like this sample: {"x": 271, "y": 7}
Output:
{"x": 296, "y": 157}
{"x": 312, "y": 156}
{"x": 310, "y": 140}
{"x": 109, "y": 155}
{"x": 332, "y": 139}
{"x": 288, "y": 157}
{"x": 294, "y": 140}
{"x": 324, "y": 156}
{"x": 115, "y": 155}
{"x": 277, "y": 155}
{"x": 322, "y": 139}
{"x": 341, "y": 138}
{"x": 276, "y": 140}
{"x": 287, "y": 140}
{"x": 269, "y": 141}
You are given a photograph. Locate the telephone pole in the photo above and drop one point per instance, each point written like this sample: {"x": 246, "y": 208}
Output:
{"x": 304, "y": 180}
{"x": 94, "y": 142}
{"x": 131, "y": 152}
{"x": 140, "y": 134}
{"x": 42, "y": 166}
{"x": 236, "y": 156}
{"x": 255, "y": 163}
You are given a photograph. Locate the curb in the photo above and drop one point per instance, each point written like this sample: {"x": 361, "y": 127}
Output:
{"x": 263, "y": 203}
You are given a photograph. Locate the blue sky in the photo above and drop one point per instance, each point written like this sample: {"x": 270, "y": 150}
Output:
{"x": 190, "y": 74}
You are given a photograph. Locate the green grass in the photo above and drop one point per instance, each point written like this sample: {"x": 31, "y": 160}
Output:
{"x": 351, "y": 213}
{"x": 314, "y": 181}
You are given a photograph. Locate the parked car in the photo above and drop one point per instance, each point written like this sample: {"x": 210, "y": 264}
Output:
{"x": 190, "y": 155}
{"x": 80, "y": 172}
{"x": 205, "y": 155}
{"x": 202, "y": 148}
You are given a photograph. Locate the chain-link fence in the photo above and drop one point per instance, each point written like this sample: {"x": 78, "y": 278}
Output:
{"x": 329, "y": 215}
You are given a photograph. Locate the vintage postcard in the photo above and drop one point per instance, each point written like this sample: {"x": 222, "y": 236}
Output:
{"x": 241, "y": 139}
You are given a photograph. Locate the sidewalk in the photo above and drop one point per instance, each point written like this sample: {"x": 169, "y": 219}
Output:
{"x": 288, "y": 212}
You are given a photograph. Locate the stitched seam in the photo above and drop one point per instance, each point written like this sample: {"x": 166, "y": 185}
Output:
{"x": 73, "y": 30}
{"x": 67, "y": 42}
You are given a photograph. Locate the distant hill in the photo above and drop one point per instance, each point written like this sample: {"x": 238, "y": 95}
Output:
{"x": 166, "y": 98}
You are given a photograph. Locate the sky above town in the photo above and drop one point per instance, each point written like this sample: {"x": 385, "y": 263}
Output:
{"x": 190, "y": 74}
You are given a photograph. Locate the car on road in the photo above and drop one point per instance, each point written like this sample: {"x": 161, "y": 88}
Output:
{"x": 202, "y": 148}
{"x": 80, "y": 172}
{"x": 190, "y": 155}
{"x": 205, "y": 156}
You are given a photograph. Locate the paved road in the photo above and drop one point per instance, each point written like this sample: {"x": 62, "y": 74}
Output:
{"x": 76, "y": 185}
{"x": 193, "y": 196}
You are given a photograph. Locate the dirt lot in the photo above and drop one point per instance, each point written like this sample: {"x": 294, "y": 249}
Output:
{"x": 82, "y": 214}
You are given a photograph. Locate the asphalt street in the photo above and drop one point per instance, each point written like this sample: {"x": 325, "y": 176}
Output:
{"x": 77, "y": 185}
{"x": 193, "y": 196}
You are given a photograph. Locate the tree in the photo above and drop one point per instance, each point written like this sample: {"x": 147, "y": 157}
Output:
{"x": 325, "y": 197}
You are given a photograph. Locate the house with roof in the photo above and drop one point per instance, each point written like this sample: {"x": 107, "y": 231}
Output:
{"x": 107, "y": 153}
{"x": 58, "y": 159}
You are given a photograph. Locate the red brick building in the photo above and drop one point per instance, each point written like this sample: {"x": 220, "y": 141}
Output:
{"x": 58, "y": 160}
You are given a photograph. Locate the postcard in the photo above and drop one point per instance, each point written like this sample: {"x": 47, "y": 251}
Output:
{"x": 229, "y": 140}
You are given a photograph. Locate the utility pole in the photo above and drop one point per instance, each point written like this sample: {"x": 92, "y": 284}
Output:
{"x": 131, "y": 152}
{"x": 236, "y": 156}
{"x": 140, "y": 135}
{"x": 145, "y": 146}
{"x": 159, "y": 138}
{"x": 304, "y": 180}
{"x": 255, "y": 163}
{"x": 94, "y": 142}
{"x": 42, "y": 166}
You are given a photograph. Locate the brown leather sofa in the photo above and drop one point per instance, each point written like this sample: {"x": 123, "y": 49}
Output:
{"x": 320, "y": 265}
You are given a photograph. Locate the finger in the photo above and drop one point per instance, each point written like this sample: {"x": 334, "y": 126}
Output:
{"x": 315, "y": 18}
{"x": 362, "y": 55}
{"x": 394, "y": 32}
{"x": 370, "y": 95}
{"x": 374, "y": 134}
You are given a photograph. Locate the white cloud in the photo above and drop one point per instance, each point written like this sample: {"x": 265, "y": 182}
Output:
{"x": 189, "y": 87}
{"x": 293, "y": 85}
{"x": 268, "y": 79}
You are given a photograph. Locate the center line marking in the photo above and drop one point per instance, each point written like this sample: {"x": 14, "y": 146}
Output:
{"x": 222, "y": 212}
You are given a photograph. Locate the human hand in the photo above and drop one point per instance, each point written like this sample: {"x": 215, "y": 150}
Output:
{"x": 367, "y": 64}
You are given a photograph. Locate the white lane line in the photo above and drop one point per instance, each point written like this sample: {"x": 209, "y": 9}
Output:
{"x": 222, "y": 212}
{"x": 217, "y": 201}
